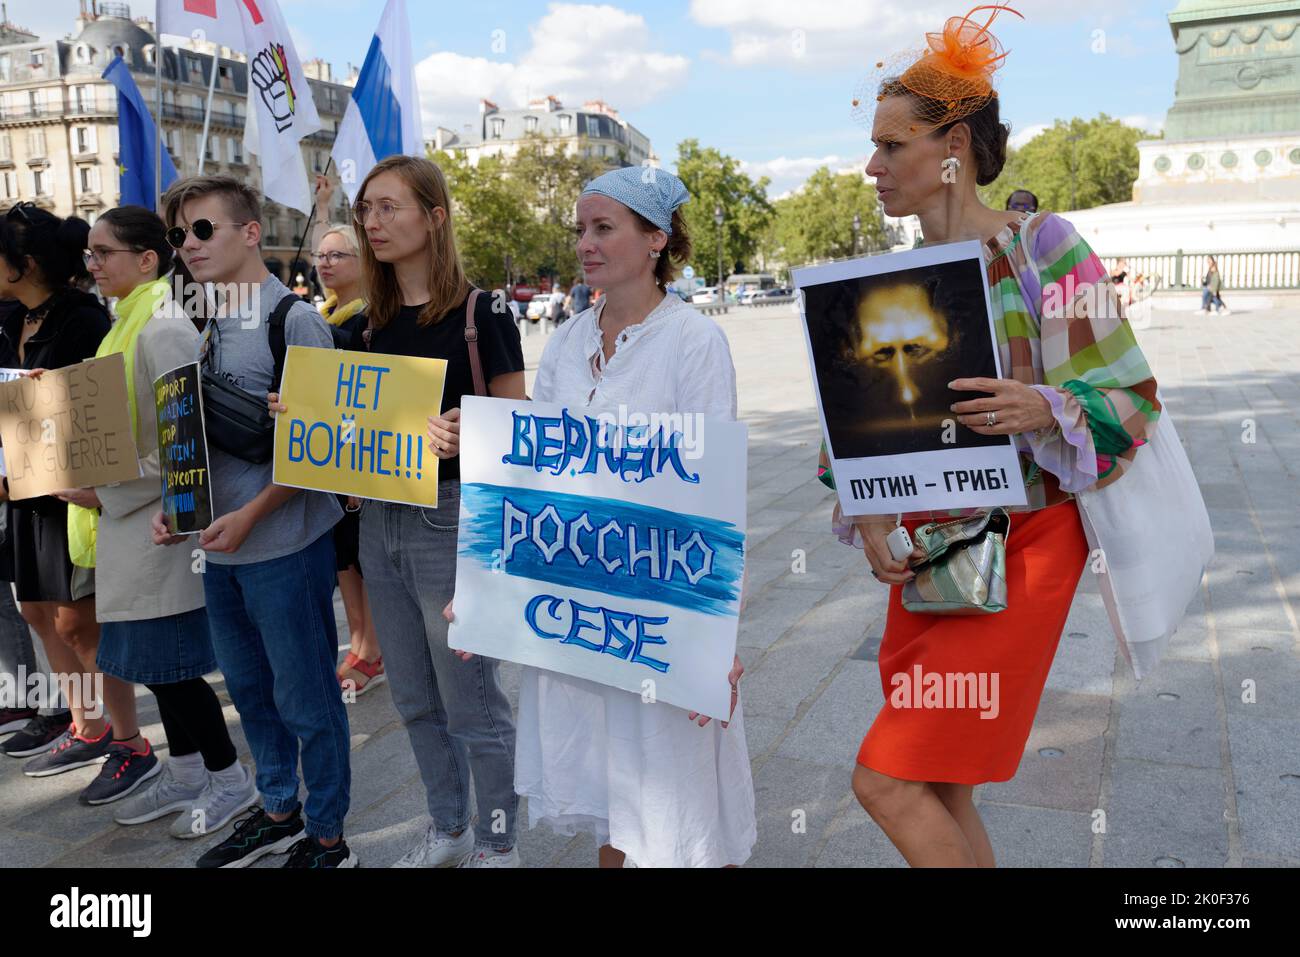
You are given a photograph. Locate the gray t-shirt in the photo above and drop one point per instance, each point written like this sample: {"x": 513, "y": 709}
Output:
{"x": 243, "y": 356}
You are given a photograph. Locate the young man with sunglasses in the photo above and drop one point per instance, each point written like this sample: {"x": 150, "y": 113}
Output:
{"x": 269, "y": 578}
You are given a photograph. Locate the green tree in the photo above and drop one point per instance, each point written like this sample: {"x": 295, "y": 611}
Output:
{"x": 816, "y": 223}
{"x": 715, "y": 179}
{"x": 551, "y": 178}
{"x": 493, "y": 220}
{"x": 1097, "y": 168}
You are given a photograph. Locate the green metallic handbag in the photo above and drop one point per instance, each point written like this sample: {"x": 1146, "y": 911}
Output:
{"x": 965, "y": 568}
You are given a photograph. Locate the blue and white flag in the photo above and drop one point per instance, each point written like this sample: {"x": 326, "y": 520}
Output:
{"x": 383, "y": 116}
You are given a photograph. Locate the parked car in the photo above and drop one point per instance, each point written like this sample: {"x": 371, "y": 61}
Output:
{"x": 705, "y": 296}
{"x": 750, "y": 296}
{"x": 539, "y": 307}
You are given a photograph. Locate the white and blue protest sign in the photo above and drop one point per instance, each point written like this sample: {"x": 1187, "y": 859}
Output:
{"x": 605, "y": 547}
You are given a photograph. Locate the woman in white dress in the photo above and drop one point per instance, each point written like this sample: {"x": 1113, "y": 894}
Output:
{"x": 651, "y": 782}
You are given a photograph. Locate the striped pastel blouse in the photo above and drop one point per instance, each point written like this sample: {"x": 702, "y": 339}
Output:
{"x": 1061, "y": 329}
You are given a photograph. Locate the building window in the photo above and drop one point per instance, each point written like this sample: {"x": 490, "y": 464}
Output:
{"x": 40, "y": 182}
{"x": 498, "y": 128}
{"x": 83, "y": 138}
{"x": 83, "y": 53}
{"x": 530, "y": 124}
{"x": 84, "y": 97}
{"x": 316, "y": 160}
{"x": 89, "y": 179}
{"x": 4, "y": 67}
{"x": 123, "y": 51}
{"x": 9, "y": 182}
{"x": 566, "y": 124}
{"x": 36, "y": 144}
{"x": 6, "y": 148}
{"x": 150, "y": 54}
{"x": 38, "y": 59}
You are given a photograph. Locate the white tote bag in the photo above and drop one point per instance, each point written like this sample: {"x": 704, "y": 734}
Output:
{"x": 1155, "y": 539}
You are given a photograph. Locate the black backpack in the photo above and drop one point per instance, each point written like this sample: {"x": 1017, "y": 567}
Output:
{"x": 236, "y": 421}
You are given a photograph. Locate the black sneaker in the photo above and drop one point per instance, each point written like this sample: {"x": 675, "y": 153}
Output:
{"x": 310, "y": 852}
{"x": 69, "y": 752}
{"x": 256, "y": 835}
{"x": 124, "y": 770}
{"x": 41, "y": 732}
{"x": 15, "y": 719}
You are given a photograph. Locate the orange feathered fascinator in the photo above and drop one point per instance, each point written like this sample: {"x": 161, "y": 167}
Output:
{"x": 951, "y": 78}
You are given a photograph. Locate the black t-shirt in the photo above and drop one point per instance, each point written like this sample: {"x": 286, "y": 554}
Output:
{"x": 499, "y": 349}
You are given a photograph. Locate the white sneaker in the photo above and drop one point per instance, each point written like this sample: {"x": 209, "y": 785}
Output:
{"x": 491, "y": 857}
{"x": 164, "y": 796}
{"x": 437, "y": 849}
{"x": 216, "y": 806}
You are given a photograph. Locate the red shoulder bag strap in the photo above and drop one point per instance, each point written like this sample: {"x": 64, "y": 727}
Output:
{"x": 471, "y": 340}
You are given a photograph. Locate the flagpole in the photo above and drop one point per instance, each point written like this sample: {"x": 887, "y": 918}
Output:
{"x": 306, "y": 230}
{"x": 158, "y": 57}
{"x": 207, "y": 114}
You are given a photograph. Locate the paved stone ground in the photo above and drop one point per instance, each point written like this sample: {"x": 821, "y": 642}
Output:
{"x": 1183, "y": 769}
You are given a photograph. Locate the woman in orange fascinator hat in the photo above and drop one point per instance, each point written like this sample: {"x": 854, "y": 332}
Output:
{"x": 937, "y": 134}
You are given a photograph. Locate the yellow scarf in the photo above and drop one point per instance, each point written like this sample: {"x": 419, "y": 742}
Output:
{"x": 335, "y": 314}
{"x": 133, "y": 313}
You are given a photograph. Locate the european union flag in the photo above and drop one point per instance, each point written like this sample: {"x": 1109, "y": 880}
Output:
{"x": 136, "y": 141}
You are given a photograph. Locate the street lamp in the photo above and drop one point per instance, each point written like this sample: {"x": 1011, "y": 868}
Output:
{"x": 857, "y": 231}
{"x": 719, "y": 218}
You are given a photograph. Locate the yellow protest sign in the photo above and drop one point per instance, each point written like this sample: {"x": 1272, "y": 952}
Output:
{"x": 69, "y": 429}
{"x": 357, "y": 424}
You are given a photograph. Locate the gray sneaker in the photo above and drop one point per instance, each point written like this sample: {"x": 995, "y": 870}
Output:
{"x": 164, "y": 796}
{"x": 216, "y": 806}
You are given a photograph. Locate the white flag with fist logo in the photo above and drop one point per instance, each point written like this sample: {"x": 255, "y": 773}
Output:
{"x": 281, "y": 110}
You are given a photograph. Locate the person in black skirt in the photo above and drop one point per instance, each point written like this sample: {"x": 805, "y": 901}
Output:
{"x": 40, "y": 260}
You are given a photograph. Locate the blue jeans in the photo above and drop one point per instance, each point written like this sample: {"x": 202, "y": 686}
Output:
{"x": 272, "y": 626}
{"x": 455, "y": 712}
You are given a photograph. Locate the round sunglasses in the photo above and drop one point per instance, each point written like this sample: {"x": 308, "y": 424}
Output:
{"x": 203, "y": 230}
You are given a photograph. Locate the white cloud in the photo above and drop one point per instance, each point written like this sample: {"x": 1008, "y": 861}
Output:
{"x": 1143, "y": 122}
{"x": 1139, "y": 121}
{"x": 831, "y": 34}
{"x": 1020, "y": 137}
{"x": 577, "y": 52}
{"x": 788, "y": 174}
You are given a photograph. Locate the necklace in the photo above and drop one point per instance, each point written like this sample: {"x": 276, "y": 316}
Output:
{"x": 33, "y": 317}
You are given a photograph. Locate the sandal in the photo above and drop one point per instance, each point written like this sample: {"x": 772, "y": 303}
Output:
{"x": 371, "y": 671}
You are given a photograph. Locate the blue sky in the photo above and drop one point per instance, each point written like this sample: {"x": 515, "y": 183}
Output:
{"x": 767, "y": 81}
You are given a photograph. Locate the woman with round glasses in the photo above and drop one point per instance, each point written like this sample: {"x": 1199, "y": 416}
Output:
{"x": 337, "y": 258}
{"x": 41, "y": 256}
{"x": 457, "y": 716}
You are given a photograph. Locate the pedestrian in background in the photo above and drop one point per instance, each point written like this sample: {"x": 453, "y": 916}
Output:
{"x": 1210, "y": 288}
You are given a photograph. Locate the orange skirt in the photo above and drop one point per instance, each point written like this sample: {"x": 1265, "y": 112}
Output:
{"x": 961, "y": 691}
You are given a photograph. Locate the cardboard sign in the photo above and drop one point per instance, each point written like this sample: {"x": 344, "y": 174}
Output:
{"x": 609, "y": 551}
{"x": 183, "y": 450}
{"x": 357, "y": 424}
{"x": 886, "y": 335}
{"x": 69, "y": 429}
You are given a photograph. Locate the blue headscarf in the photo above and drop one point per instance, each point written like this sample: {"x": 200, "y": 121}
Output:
{"x": 654, "y": 193}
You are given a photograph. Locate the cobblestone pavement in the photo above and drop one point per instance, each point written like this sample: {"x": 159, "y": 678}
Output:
{"x": 1185, "y": 771}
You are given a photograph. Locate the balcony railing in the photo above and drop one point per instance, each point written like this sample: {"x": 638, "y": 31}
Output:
{"x": 30, "y": 112}
{"x": 1239, "y": 270}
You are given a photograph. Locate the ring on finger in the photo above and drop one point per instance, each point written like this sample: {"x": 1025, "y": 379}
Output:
{"x": 992, "y": 420}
